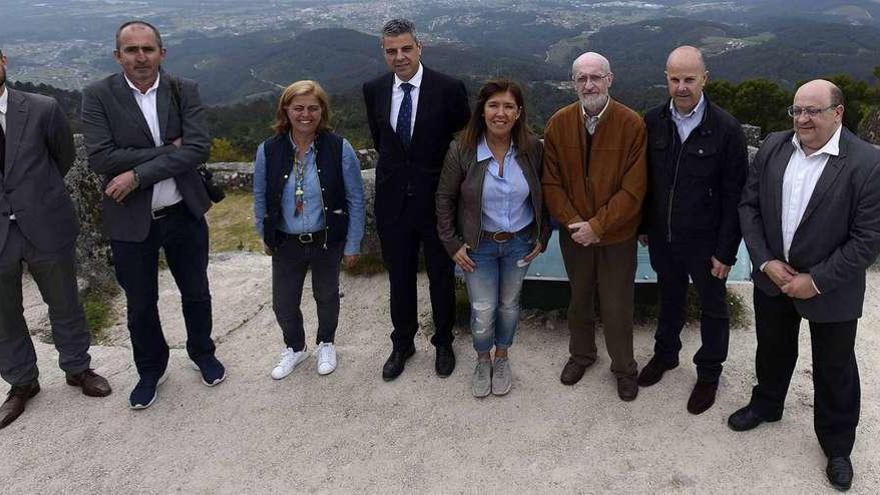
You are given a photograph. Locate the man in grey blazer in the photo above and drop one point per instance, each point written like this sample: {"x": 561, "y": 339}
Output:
{"x": 145, "y": 133}
{"x": 810, "y": 216}
{"x": 38, "y": 226}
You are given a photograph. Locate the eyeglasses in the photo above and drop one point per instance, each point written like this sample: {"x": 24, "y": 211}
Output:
{"x": 586, "y": 79}
{"x": 794, "y": 111}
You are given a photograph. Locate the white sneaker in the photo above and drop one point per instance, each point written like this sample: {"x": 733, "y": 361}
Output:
{"x": 326, "y": 358}
{"x": 289, "y": 361}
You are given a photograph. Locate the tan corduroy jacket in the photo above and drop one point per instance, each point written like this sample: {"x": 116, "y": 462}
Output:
{"x": 610, "y": 195}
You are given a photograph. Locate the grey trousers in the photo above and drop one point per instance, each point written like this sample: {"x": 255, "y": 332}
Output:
{"x": 55, "y": 275}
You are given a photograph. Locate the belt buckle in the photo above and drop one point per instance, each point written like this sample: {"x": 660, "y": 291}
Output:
{"x": 305, "y": 238}
{"x": 157, "y": 217}
{"x": 501, "y": 237}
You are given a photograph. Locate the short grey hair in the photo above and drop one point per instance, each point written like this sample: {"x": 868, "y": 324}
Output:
{"x": 397, "y": 27}
{"x": 606, "y": 65}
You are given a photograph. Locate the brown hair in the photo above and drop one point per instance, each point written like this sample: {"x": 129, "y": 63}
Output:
{"x": 306, "y": 87}
{"x": 477, "y": 125}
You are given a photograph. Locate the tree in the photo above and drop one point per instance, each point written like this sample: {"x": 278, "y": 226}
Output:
{"x": 223, "y": 151}
{"x": 763, "y": 103}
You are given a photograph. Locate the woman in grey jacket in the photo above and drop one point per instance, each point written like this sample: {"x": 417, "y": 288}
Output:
{"x": 491, "y": 219}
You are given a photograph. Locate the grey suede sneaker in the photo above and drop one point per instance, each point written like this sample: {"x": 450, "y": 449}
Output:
{"x": 501, "y": 378}
{"x": 482, "y": 378}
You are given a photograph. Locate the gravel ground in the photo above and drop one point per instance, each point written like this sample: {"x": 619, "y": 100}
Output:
{"x": 352, "y": 432}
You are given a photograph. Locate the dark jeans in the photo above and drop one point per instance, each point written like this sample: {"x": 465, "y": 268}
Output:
{"x": 609, "y": 272}
{"x": 835, "y": 373}
{"x": 400, "y": 252}
{"x": 290, "y": 262}
{"x": 55, "y": 275}
{"x": 674, "y": 263}
{"x": 184, "y": 239}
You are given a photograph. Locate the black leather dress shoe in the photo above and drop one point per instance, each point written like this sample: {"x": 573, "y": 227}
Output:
{"x": 746, "y": 419}
{"x": 91, "y": 383}
{"x": 702, "y": 397}
{"x": 840, "y": 473}
{"x": 444, "y": 363}
{"x": 396, "y": 362}
{"x": 653, "y": 371}
{"x": 15, "y": 401}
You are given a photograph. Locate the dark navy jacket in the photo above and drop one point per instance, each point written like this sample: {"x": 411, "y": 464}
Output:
{"x": 279, "y": 163}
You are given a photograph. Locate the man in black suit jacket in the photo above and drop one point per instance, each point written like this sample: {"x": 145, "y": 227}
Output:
{"x": 38, "y": 226}
{"x": 413, "y": 114}
{"x": 145, "y": 133}
{"x": 810, "y": 216}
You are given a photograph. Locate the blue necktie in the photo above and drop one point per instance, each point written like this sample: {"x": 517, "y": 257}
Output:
{"x": 404, "y": 115}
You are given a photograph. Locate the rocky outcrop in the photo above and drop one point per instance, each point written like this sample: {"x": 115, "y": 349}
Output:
{"x": 870, "y": 128}
{"x": 92, "y": 246}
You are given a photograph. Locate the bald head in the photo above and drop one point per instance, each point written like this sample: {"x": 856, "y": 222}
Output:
{"x": 590, "y": 59}
{"x": 685, "y": 77}
{"x": 825, "y": 100}
{"x": 686, "y": 57}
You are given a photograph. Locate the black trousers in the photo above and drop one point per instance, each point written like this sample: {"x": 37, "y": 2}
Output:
{"x": 400, "y": 252}
{"x": 290, "y": 262}
{"x": 184, "y": 239}
{"x": 674, "y": 263}
{"x": 835, "y": 373}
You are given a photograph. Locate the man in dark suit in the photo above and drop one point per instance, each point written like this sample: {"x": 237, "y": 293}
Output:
{"x": 38, "y": 226}
{"x": 145, "y": 132}
{"x": 697, "y": 165}
{"x": 413, "y": 113}
{"x": 810, "y": 216}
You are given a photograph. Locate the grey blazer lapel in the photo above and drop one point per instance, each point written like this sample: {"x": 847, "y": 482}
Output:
{"x": 16, "y": 119}
{"x": 126, "y": 100}
{"x": 776, "y": 176}
{"x": 163, "y": 103}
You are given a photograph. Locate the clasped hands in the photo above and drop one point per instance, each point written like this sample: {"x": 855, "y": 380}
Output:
{"x": 123, "y": 184}
{"x": 790, "y": 282}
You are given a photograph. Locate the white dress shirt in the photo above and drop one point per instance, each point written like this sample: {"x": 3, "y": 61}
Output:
{"x": 688, "y": 122}
{"x": 801, "y": 175}
{"x": 165, "y": 192}
{"x": 397, "y": 98}
{"x": 4, "y": 102}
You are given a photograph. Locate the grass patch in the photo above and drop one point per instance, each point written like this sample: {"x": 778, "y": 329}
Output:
{"x": 98, "y": 307}
{"x": 231, "y": 224}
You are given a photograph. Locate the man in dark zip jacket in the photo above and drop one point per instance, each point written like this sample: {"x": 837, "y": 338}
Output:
{"x": 697, "y": 165}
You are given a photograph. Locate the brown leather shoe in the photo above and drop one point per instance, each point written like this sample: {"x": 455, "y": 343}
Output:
{"x": 627, "y": 388}
{"x": 702, "y": 397}
{"x": 91, "y": 383}
{"x": 573, "y": 372}
{"x": 15, "y": 401}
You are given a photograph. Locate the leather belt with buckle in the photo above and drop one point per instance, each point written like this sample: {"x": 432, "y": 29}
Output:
{"x": 499, "y": 237}
{"x": 303, "y": 238}
{"x": 168, "y": 210}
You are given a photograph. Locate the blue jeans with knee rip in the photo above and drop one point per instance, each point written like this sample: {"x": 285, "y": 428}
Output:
{"x": 494, "y": 289}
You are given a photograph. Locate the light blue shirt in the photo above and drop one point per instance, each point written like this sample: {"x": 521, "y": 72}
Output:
{"x": 312, "y": 217}
{"x": 687, "y": 123}
{"x": 506, "y": 205}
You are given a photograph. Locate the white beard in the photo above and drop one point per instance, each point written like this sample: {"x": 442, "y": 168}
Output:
{"x": 593, "y": 103}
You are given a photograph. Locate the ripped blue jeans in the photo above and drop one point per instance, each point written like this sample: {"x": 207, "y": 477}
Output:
{"x": 494, "y": 289}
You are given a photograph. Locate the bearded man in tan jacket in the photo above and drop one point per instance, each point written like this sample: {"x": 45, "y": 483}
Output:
{"x": 595, "y": 178}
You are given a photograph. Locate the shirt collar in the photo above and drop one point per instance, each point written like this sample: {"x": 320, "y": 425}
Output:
{"x": 293, "y": 143}
{"x": 697, "y": 110}
{"x": 484, "y": 153}
{"x": 415, "y": 80}
{"x": 832, "y": 147}
{"x": 597, "y": 117}
{"x": 4, "y": 101}
{"x": 151, "y": 88}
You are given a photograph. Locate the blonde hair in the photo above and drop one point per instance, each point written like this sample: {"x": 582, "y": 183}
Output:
{"x": 282, "y": 123}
